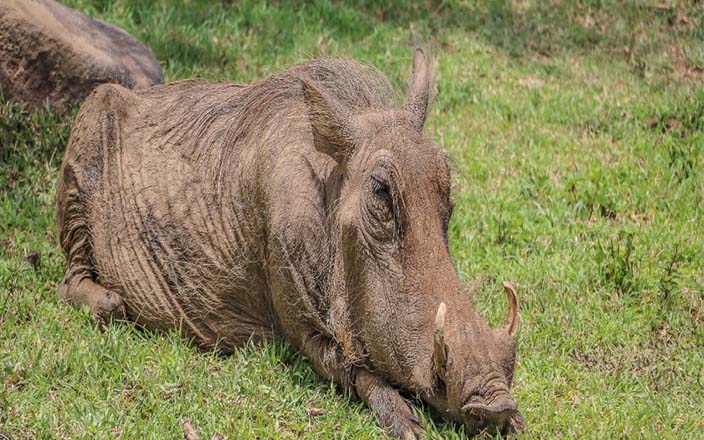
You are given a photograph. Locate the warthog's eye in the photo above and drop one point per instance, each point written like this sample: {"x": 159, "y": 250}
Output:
{"x": 382, "y": 204}
{"x": 380, "y": 188}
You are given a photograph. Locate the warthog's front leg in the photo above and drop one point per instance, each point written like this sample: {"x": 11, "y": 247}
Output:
{"x": 391, "y": 409}
{"x": 105, "y": 305}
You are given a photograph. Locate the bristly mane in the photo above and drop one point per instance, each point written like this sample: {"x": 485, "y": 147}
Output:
{"x": 248, "y": 109}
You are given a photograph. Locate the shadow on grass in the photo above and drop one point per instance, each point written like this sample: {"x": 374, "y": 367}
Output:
{"x": 519, "y": 29}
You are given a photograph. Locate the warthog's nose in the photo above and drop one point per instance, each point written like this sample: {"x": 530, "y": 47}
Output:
{"x": 494, "y": 414}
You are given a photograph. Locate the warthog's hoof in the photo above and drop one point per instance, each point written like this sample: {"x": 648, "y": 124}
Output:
{"x": 109, "y": 308}
{"x": 401, "y": 423}
{"x": 410, "y": 429}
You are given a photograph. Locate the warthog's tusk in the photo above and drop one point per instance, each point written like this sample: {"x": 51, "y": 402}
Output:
{"x": 439, "y": 352}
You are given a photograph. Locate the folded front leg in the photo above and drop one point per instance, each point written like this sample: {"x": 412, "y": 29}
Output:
{"x": 391, "y": 409}
{"x": 105, "y": 305}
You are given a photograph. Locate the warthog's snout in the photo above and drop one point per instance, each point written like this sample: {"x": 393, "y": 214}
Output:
{"x": 496, "y": 415}
{"x": 475, "y": 364}
{"x": 500, "y": 416}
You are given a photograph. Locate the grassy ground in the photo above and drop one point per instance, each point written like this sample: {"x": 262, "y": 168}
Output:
{"x": 576, "y": 132}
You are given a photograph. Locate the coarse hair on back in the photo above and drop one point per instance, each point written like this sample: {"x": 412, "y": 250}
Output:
{"x": 218, "y": 113}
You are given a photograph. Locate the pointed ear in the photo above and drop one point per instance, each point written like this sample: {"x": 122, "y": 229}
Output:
{"x": 418, "y": 98}
{"x": 331, "y": 123}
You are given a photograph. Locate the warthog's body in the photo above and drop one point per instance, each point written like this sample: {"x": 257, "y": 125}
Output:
{"x": 198, "y": 209}
{"x": 280, "y": 209}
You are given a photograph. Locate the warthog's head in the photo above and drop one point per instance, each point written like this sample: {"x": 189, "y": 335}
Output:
{"x": 408, "y": 316}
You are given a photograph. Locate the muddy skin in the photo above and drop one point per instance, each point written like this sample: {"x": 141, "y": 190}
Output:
{"x": 307, "y": 206}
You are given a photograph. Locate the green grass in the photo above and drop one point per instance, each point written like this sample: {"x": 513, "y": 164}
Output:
{"x": 576, "y": 134}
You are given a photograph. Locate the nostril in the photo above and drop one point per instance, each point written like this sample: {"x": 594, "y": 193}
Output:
{"x": 497, "y": 407}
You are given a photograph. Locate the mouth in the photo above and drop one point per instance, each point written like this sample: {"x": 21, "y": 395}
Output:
{"x": 514, "y": 425}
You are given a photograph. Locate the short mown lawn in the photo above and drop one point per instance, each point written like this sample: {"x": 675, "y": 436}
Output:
{"x": 576, "y": 135}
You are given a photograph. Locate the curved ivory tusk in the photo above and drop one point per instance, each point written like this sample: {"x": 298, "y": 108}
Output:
{"x": 439, "y": 353}
{"x": 513, "y": 319}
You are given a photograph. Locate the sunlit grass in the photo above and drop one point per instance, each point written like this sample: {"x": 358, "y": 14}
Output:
{"x": 576, "y": 135}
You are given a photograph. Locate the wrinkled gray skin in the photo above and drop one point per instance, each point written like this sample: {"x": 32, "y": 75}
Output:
{"x": 306, "y": 206}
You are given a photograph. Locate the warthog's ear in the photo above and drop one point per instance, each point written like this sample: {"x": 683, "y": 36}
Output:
{"x": 333, "y": 133}
{"x": 513, "y": 318}
{"x": 418, "y": 98}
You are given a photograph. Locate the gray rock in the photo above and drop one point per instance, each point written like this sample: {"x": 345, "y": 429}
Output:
{"x": 49, "y": 52}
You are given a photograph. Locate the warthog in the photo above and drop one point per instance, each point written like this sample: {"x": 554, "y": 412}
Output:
{"x": 307, "y": 206}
